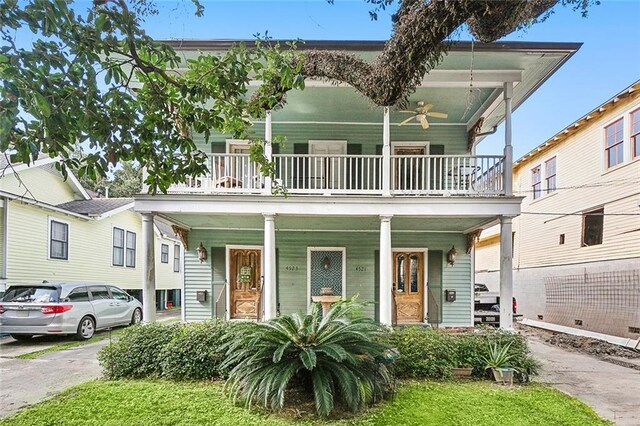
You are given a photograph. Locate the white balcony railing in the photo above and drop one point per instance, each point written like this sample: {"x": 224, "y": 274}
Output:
{"x": 479, "y": 175}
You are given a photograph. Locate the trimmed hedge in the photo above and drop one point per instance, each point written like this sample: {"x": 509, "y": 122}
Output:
{"x": 432, "y": 353}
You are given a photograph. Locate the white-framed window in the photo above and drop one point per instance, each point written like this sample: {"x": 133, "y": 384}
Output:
{"x": 164, "y": 253}
{"x": 550, "y": 175}
{"x": 635, "y": 133}
{"x": 176, "y": 258}
{"x": 58, "y": 239}
{"x": 118, "y": 247}
{"x": 536, "y": 182}
{"x": 131, "y": 250}
{"x": 614, "y": 143}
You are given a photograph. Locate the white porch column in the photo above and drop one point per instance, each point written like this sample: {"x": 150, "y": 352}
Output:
{"x": 508, "y": 149}
{"x": 386, "y": 154}
{"x": 506, "y": 274}
{"x": 269, "y": 287}
{"x": 386, "y": 273}
{"x": 268, "y": 150}
{"x": 148, "y": 269}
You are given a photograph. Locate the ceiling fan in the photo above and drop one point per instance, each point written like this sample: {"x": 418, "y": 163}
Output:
{"x": 421, "y": 113}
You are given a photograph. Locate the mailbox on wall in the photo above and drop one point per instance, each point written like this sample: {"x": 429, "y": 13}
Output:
{"x": 201, "y": 296}
{"x": 450, "y": 295}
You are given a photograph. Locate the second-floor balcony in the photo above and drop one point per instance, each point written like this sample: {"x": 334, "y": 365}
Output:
{"x": 406, "y": 175}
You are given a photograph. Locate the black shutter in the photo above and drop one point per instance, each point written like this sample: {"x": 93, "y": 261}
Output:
{"x": 354, "y": 164}
{"x": 378, "y": 149}
{"x": 299, "y": 166}
{"x": 275, "y": 148}
{"x": 434, "y": 287}
{"x": 218, "y": 147}
{"x": 437, "y": 171}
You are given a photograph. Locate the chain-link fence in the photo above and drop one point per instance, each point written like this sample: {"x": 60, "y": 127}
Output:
{"x": 605, "y": 302}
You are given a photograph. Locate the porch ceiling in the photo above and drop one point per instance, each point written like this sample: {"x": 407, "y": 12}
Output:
{"x": 339, "y": 223}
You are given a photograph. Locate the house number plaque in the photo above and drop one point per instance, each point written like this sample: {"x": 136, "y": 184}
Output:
{"x": 245, "y": 274}
{"x": 361, "y": 268}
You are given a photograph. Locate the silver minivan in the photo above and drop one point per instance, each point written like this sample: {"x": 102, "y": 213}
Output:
{"x": 65, "y": 308}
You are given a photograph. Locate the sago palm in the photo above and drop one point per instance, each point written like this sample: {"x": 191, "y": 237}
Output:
{"x": 338, "y": 356}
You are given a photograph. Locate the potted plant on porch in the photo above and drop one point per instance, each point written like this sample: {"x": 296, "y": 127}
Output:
{"x": 499, "y": 360}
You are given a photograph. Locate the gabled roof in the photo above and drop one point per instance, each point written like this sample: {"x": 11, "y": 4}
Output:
{"x": 98, "y": 206}
{"x": 629, "y": 92}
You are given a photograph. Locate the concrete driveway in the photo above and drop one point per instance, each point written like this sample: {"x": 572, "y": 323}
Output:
{"x": 611, "y": 390}
{"x": 25, "y": 382}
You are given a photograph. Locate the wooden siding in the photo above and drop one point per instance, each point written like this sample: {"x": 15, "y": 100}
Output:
{"x": 369, "y": 136}
{"x": 43, "y": 183}
{"x": 360, "y": 273}
{"x": 90, "y": 250}
{"x": 583, "y": 184}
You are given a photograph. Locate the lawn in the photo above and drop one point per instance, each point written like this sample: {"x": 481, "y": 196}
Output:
{"x": 203, "y": 403}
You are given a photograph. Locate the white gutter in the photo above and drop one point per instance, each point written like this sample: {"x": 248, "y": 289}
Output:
{"x": 45, "y": 206}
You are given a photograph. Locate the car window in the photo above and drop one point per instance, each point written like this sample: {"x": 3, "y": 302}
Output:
{"x": 99, "y": 292}
{"x": 31, "y": 294}
{"x": 119, "y": 294}
{"x": 79, "y": 294}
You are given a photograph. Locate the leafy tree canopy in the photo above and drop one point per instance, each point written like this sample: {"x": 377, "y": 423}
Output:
{"x": 126, "y": 181}
{"x": 97, "y": 78}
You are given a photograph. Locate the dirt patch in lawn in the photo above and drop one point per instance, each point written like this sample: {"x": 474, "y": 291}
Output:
{"x": 597, "y": 348}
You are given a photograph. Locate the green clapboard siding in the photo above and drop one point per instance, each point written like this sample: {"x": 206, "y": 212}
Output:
{"x": 362, "y": 269}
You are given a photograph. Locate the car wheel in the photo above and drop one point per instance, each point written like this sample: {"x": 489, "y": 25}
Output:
{"x": 22, "y": 337}
{"x": 136, "y": 318}
{"x": 86, "y": 328}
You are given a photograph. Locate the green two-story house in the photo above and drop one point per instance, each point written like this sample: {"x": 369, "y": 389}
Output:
{"x": 383, "y": 204}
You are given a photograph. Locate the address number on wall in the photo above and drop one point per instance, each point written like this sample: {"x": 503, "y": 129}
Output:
{"x": 290, "y": 268}
{"x": 361, "y": 269}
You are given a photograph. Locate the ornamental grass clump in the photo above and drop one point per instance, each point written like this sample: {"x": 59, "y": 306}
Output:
{"x": 335, "y": 358}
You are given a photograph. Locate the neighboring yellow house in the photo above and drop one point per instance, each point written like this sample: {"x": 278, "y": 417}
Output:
{"x": 576, "y": 244}
{"x": 53, "y": 229}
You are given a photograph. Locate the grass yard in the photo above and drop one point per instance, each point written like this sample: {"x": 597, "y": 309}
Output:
{"x": 203, "y": 403}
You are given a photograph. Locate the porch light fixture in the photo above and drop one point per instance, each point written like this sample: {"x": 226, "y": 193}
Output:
{"x": 326, "y": 263}
{"x": 451, "y": 256}
{"x": 202, "y": 253}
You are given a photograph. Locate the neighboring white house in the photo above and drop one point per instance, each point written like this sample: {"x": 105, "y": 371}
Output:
{"x": 576, "y": 244}
{"x": 53, "y": 229}
{"x": 379, "y": 204}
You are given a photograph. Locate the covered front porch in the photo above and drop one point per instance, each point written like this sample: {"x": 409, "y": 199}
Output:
{"x": 260, "y": 265}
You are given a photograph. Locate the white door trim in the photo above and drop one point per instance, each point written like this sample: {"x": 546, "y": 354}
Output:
{"x": 319, "y": 142}
{"x": 425, "y": 276}
{"x": 344, "y": 270}
{"x": 410, "y": 144}
{"x": 227, "y": 278}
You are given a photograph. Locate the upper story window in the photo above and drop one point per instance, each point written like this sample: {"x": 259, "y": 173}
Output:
{"x": 58, "y": 240}
{"x": 131, "y": 249}
{"x": 592, "y": 227}
{"x": 614, "y": 143}
{"x": 536, "y": 182}
{"x": 550, "y": 175}
{"x": 164, "y": 253}
{"x": 635, "y": 133}
{"x": 176, "y": 258}
{"x": 118, "y": 247}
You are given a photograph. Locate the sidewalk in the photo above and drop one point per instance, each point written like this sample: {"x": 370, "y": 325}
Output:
{"x": 25, "y": 382}
{"x": 611, "y": 390}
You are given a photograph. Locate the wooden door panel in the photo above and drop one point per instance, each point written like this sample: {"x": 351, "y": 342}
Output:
{"x": 245, "y": 283}
{"x": 408, "y": 287}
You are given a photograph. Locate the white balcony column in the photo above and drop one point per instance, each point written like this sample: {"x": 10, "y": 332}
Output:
{"x": 148, "y": 269}
{"x": 508, "y": 149}
{"x": 386, "y": 154}
{"x": 386, "y": 272}
{"x": 268, "y": 150}
{"x": 269, "y": 286}
{"x": 506, "y": 273}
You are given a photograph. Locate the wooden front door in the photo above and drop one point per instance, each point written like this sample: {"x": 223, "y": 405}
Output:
{"x": 245, "y": 283}
{"x": 408, "y": 287}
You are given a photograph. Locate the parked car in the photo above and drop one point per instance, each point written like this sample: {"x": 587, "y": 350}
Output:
{"x": 65, "y": 308}
{"x": 487, "y": 306}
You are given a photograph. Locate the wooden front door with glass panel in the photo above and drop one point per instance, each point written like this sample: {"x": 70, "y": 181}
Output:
{"x": 408, "y": 287}
{"x": 245, "y": 283}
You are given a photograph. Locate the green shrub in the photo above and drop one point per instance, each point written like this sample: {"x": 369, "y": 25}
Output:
{"x": 337, "y": 357}
{"x": 136, "y": 353}
{"x": 196, "y": 350}
{"x": 431, "y": 353}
